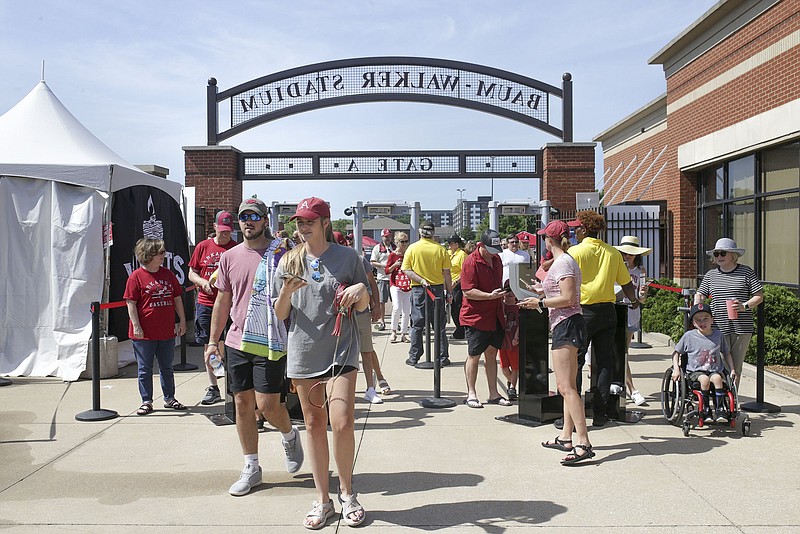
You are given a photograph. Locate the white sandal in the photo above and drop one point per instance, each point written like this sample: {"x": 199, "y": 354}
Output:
{"x": 319, "y": 515}
{"x": 351, "y": 506}
{"x": 384, "y": 387}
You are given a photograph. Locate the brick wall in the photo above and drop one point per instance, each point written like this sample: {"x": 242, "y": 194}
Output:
{"x": 213, "y": 172}
{"x": 568, "y": 168}
{"x": 775, "y": 82}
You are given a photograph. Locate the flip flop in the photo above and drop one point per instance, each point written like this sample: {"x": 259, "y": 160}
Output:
{"x": 559, "y": 444}
{"x": 574, "y": 457}
{"x": 502, "y": 401}
{"x": 473, "y": 403}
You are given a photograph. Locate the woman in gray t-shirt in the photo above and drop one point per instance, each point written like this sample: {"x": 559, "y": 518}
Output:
{"x": 315, "y": 280}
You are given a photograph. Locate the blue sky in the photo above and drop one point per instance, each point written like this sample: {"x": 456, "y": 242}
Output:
{"x": 135, "y": 74}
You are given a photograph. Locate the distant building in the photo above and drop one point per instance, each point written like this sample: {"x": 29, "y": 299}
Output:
{"x": 438, "y": 217}
{"x": 470, "y": 213}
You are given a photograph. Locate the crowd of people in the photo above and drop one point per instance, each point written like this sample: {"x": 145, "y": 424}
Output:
{"x": 300, "y": 312}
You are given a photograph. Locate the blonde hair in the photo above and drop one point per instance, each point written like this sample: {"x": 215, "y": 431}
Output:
{"x": 294, "y": 261}
{"x": 146, "y": 249}
{"x": 563, "y": 244}
{"x": 398, "y": 236}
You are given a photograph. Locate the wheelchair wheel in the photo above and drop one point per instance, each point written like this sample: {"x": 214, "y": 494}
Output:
{"x": 673, "y": 395}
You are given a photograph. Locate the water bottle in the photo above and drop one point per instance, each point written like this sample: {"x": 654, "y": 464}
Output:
{"x": 216, "y": 365}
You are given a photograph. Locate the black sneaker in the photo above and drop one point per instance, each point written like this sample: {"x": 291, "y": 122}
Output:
{"x": 721, "y": 415}
{"x": 600, "y": 420}
{"x": 444, "y": 362}
{"x": 707, "y": 417}
{"x": 512, "y": 393}
{"x": 212, "y": 396}
{"x": 411, "y": 362}
{"x": 559, "y": 423}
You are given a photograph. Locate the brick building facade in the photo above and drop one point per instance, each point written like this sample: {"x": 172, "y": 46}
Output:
{"x": 720, "y": 146}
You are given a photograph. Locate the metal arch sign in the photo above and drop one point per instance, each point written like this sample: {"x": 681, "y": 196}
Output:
{"x": 387, "y": 79}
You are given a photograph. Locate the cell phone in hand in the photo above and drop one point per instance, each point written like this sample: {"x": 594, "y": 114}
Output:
{"x": 290, "y": 276}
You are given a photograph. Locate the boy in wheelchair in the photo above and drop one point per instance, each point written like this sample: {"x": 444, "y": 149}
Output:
{"x": 705, "y": 349}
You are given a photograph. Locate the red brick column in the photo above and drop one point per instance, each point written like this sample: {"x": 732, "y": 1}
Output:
{"x": 213, "y": 171}
{"x": 568, "y": 168}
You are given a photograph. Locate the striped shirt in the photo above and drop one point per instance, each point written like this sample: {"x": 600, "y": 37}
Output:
{"x": 741, "y": 284}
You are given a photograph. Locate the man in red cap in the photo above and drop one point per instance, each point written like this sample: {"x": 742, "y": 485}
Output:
{"x": 203, "y": 264}
{"x": 380, "y": 253}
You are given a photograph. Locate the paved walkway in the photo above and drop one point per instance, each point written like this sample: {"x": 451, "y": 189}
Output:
{"x": 450, "y": 470}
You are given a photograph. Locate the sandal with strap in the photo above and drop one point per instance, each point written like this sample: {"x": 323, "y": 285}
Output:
{"x": 174, "y": 405}
{"x": 319, "y": 515}
{"x": 473, "y": 403}
{"x": 502, "y": 401}
{"x": 558, "y": 443}
{"x": 384, "y": 387}
{"x": 351, "y": 509}
{"x": 144, "y": 409}
{"x": 574, "y": 457}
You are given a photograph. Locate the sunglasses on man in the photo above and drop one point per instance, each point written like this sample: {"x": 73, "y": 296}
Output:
{"x": 244, "y": 217}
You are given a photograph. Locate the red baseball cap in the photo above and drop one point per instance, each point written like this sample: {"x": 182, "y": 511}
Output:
{"x": 386, "y": 232}
{"x": 224, "y": 221}
{"x": 312, "y": 208}
{"x": 339, "y": 238}
{"x": 575, "y": 223}
{"x": 554, "y": 229}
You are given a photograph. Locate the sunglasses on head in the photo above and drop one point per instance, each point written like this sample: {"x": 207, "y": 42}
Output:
{"x": 718, "y": 253}
{"x": 244, "y": 217}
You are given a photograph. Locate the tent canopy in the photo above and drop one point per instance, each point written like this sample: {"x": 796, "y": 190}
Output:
{"x": 56, "y": 180}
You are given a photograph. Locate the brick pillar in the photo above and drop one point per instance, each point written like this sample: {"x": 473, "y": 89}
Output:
{"x": 213, "y": 171}
{"x": 568, "y": 168}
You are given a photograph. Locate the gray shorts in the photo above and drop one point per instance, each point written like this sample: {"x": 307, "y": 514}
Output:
{"x": 383, "y": 291}
{"x": 364, "y": 326}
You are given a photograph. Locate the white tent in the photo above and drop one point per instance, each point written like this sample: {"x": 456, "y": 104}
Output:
{"x": 56, "y": 179}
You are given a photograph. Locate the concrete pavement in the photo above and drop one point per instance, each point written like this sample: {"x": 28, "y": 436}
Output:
{"x": 417, "y": 469}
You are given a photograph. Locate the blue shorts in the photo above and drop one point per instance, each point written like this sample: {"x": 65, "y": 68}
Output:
{"x": 202, "y": 324}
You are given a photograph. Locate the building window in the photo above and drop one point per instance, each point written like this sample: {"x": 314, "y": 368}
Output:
{"x": 760, "y": 210}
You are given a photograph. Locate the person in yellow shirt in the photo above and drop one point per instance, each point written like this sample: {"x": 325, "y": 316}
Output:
{"x": 601, "y": 267}
{"x": 427, "y": 264}
{"x": 457, "y": 257}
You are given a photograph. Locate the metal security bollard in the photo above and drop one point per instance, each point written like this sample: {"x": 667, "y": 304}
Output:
{"x": 427, "y": 364}
{"x": 96, "y": 413}
{"x": 184, "y": 366}
{"x": 437, "y": 401}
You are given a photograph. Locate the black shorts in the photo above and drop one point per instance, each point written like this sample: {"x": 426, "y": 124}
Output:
{"x": 571, "y": 331}
{"x": 479, "y": 340}
{"x": 336, "y": 370}
{"x": 694, "y": 376}
{"x": 248, "y": 371}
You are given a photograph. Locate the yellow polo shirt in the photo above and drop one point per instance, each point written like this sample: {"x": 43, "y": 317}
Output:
{"x": 601, "y": 267}
{"x": 427, "y": 258}
{"x": 456, "y": 261}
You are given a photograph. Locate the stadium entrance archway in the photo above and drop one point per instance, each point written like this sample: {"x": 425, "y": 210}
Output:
{"x": 217, "y": 171}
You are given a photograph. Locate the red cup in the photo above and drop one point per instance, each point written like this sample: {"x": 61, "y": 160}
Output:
{"x": 733, "y": 308}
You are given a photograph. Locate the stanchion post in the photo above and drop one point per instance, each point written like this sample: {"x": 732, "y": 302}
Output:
{"x": 96, "y": 413}
{"x": 184, "y": 366}
{"x": 437, "y": 401}
{"x": 759, "y": 406}
{"x": 427, "y": 364}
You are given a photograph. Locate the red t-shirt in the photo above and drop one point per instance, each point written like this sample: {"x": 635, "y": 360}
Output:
{"x": 476, "y": 273}
{"x": 393, "y": 257}
{"x": 205, "y": 260}
{"x": 154, "y": 294}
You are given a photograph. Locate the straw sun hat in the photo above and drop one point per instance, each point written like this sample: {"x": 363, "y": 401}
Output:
{"x": 630, "y": 245}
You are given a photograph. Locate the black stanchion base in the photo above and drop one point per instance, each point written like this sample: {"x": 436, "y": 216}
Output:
{"x": 434, "y": 402}
{"x": 5, "y": 382}
{"x": 220, "y": 419}
{"x": 180, "y": 367}
{"x": 760, "y": 407}
{"x": 637, "y": 345}
{"x": 425, "y": 365}
{"x": 96, "y": 415}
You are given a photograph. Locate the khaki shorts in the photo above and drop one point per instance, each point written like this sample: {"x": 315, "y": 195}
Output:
{"x": 364, "y": 326}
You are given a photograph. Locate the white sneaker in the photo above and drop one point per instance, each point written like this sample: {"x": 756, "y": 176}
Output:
{"x": 372, "y": 397}
{"x": 637, "y": 398}
{"x": 247, "y": 481}
{"x": 294, "y": 452}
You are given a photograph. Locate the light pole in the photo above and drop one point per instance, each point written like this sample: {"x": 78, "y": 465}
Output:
{"x": 460, "y": 194}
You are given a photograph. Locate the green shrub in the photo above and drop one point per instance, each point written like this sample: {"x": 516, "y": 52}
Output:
{"x": 660, "y": 311}
{"x": 781, "y": 334}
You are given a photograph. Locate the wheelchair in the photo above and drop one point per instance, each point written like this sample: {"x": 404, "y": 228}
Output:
{"x": 682, "y": 403}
